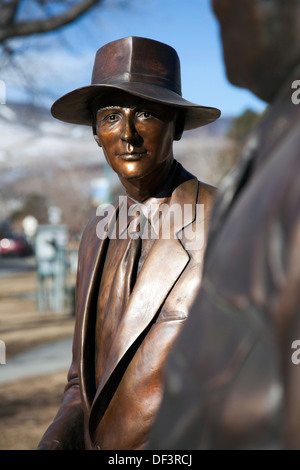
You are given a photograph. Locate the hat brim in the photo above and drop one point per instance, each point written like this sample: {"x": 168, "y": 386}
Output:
{"x": 75, "y": 107}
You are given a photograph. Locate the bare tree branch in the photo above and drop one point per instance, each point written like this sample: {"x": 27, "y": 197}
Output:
{"x": 10, "y": 29}
{"x": 8, "y": 11}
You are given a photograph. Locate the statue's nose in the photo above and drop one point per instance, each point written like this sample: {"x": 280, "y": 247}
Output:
{"x": 130, "y": 133}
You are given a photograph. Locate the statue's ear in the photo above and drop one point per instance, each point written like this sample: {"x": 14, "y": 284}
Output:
{"x": 179, "y": 126}
{"x": 96, "y": 136}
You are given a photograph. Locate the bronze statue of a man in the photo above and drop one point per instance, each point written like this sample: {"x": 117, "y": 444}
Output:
{"x": 233, "y": 377}
{"x": 133, "y": 291}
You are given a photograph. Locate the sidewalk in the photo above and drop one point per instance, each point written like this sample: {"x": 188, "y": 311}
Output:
{"x": 38, "y": 356}
{"x": 36, "y": 342}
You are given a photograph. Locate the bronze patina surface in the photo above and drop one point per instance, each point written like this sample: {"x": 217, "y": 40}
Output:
{"x": 231, "y": 381}
{"x": 133, "y": 294}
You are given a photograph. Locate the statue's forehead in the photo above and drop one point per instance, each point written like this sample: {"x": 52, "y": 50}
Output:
{"x": 124, "y": 100}
{"x": 116, "y": 98}
{"x": 128, "y": 102}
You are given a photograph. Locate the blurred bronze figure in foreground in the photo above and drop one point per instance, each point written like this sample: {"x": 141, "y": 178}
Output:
{"x": 231, "y": 382}
{"x": 133, "y": 292}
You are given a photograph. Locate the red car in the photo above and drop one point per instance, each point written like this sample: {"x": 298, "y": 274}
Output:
{"x": 14, "y": 246}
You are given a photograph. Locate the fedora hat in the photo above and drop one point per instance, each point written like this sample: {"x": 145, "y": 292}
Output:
{"x": 141, "y": 67}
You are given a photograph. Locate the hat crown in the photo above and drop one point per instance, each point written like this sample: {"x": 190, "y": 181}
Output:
{"x": 140, "y": 67}
{"x": 135, "y": 59}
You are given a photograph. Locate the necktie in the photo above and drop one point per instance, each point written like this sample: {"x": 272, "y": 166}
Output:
{"x": 118, "y": 279}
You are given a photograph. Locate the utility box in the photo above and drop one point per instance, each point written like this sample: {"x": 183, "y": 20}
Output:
{"x": 52, "y": 266}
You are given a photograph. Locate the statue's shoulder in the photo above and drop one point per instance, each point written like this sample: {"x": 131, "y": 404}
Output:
{"x": 206, "y": 193}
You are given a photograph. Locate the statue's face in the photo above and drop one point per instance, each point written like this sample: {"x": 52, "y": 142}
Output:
{"x": 260, "y": 42}
{"x": 136, "y": 135}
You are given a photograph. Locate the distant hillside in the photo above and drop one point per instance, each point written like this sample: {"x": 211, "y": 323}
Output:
{"x": 219, "y": 129}
{"x": 31, "y": 137}
{"x": 60, "y": 161}
{"x": 28, "y": 115}
{"x": 25, "y": 114}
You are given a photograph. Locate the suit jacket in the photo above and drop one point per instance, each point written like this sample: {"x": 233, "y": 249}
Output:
{"x": 237, "y": 384}
{"x": 118, "y": 414}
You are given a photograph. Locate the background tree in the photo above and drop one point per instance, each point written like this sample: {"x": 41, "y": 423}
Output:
{"x": 27, "y": 17}
{"x": 33, "y": 204}
{"x": 240, "y": 128}
{"x": 30, "y": 25}
{"x": 242, "y": 125}
{"x": 238, "y": 131}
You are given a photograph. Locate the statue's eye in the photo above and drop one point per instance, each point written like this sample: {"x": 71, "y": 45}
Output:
{"x": 111, "y": 117}
{"x": 145, "y": 115}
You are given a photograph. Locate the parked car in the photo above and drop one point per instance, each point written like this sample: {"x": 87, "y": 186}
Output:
{"x": 15, "y": 246}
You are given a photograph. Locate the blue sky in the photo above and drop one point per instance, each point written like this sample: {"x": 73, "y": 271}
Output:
{"x": 187, "y": 25}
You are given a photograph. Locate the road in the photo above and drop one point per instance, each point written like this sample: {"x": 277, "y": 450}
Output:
{"x": 10, "y": 266}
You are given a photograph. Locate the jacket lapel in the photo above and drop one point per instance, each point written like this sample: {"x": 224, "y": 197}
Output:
{"x": 166, "y": 261}
{"x": 90, "y": 272}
